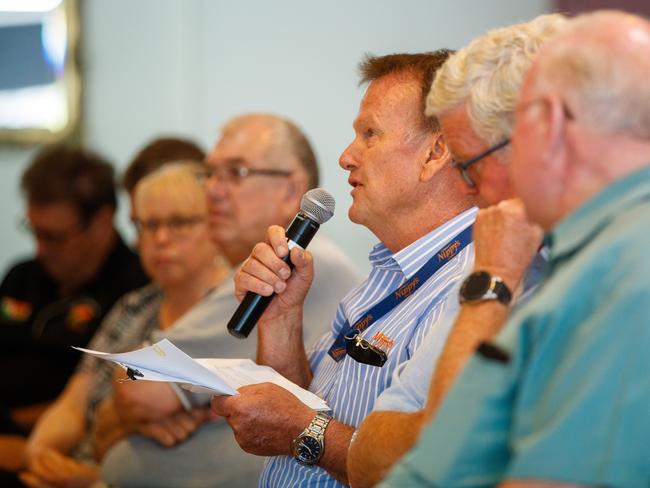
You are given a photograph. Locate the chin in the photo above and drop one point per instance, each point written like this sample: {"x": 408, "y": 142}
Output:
{"x": 57, "y": 275}
{"x": 356, "y": 216}
{"x": 220, "y": 234}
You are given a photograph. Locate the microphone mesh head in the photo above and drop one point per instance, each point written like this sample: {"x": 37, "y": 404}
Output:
{"x": 318, "y": 204}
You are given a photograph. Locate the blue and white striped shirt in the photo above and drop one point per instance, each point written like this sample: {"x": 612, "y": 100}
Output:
{"x": 351, "y": 388}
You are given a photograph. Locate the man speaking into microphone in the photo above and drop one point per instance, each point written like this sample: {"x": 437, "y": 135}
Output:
{"x": 404, "y": 191}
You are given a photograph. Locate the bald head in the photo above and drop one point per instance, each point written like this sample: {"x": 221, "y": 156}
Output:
{"x": 281, "y": 142}
{"x": 583, "y": 114}
{"x": 600, "y": 66}
{"x": 262, "y": 164}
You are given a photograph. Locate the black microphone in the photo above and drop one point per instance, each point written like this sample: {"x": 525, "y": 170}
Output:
{"x": 316, "y": 208}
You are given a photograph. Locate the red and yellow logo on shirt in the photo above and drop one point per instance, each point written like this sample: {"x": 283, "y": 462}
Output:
{"x": 383, "y": 341}
{"x": 16, "y": 310}
{"x": 79, "y": 316}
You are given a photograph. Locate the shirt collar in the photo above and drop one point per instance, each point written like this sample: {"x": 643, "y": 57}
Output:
{"x": 410, "y": 259}
{"x": 588, "y": 219}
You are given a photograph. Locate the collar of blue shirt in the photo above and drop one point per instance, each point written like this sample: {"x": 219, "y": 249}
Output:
{"x": 409, "y": 260}
{"x": 586, "y": 221}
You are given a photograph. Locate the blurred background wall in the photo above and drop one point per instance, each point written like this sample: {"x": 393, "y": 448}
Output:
{"x": 154, "y": 67}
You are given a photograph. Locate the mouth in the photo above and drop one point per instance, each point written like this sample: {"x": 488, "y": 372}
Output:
{"x": 355, "y": 184}
{"x": 217, "y": 214}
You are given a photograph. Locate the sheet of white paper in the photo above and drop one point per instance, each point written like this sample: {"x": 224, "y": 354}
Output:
{"x": 244, "y": 372}
{"x": 163, "y": 361}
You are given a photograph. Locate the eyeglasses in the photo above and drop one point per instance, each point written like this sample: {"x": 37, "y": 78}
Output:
{"x": 50, "y": 237}
{"x": 235, "y": 172}
{"x": 463, "y": 166}
{"x": 176, "y": 226}
{"x": 362, "y": 351}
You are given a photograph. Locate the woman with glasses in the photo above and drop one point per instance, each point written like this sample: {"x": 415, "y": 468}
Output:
{"x": 184, "y": 265}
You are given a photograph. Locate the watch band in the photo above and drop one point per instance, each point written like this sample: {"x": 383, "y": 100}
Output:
{"x": 318, "y": 425}
{"x": 500, "y": 290}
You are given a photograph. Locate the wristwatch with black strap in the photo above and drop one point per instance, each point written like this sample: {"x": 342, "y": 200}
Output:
{"x": 481, "y": 285}
{"x": 309, "y": 446}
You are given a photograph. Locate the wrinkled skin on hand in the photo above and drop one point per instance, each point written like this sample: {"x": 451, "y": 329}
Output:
{"x": 265, "y": 418}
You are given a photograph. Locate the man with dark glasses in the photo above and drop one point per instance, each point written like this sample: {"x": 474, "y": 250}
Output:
{"x": 473, "y": 96}
{"x": 58, "y": 298}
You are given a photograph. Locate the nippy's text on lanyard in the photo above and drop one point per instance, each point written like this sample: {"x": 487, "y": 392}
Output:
{"x": 393, "y": 299}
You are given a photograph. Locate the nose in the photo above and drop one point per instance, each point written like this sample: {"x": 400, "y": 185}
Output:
{"x": 215, "y": 187}
{"x": 347, "y": 160}
{"x": 42, "y": 248}
{"x": 161, "y": 235}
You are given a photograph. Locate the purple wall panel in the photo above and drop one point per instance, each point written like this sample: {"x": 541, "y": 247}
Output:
{"x": 641, "y": 7}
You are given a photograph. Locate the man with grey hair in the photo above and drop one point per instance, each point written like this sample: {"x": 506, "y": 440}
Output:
{"x": 560, "y": 397}
{"x": 473, "y": 96}
{"x": 255, "y": 176}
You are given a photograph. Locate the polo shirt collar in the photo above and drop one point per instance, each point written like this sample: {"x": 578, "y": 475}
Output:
{"x": 588, "y": 219}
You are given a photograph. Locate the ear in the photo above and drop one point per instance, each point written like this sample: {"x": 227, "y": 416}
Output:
{"x": 102, "y": 222}
{"x": 296, "y": 187}
{"x": 294, "y": 190}
{"x": 104, "y": 216}
{"x": 437, "y": 157}
{"x": 553, "y": 128}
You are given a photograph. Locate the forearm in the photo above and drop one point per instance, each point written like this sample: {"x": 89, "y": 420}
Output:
{"x": 60, "y": 427}
{"x": 476, "y": 322}
{"x": 280, "y": 346}
{"x": 381, "y": 440}
{"x": 337, "y": 442}
{"x": 108, "y": 428}
{"x": 63, "y": 425}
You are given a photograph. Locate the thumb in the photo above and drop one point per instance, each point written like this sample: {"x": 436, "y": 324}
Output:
{"x": 303, "y": 262}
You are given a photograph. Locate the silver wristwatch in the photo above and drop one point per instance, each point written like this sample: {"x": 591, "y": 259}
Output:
{"x": 309, "y": 446}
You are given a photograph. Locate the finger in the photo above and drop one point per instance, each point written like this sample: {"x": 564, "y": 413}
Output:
{"x": 220, "y": 405}
{"x": 45, "y": 466}
{"x": 245, "y": 283}
{"x": 303, "y": 264}
{"x": 32, "y": 481}
{"x": 201, "y": 414}
{"x": 186, "y": 422}
{"x": 301, "y": 258}
{"x": 159, "y": 434}
{"x": 54, "y": 467}
{"x": 37, "y": 468}
{"x": 175, "y": 429}
{"x": 275, "y": 276}
{"x": 37, "y": 472}
{"x": 277, "y": 238}
{"x": 513, "y": 203}
{"x": 269, "y": 257}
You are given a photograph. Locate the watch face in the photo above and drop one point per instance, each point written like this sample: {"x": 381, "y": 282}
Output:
{"x": 308, "y": 450}
{"x": 476, "y": 285}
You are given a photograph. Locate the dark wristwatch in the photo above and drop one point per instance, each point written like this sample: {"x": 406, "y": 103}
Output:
{"x": 309, "y": 446}
{"x": 481, "y": 285}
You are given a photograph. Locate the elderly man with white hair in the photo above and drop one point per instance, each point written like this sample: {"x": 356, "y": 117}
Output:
{"x": 561, "y": 397}
{"x": 473, "y": 96}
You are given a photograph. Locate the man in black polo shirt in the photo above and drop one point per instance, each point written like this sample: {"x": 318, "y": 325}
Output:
{"x": 58, "y": 298}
